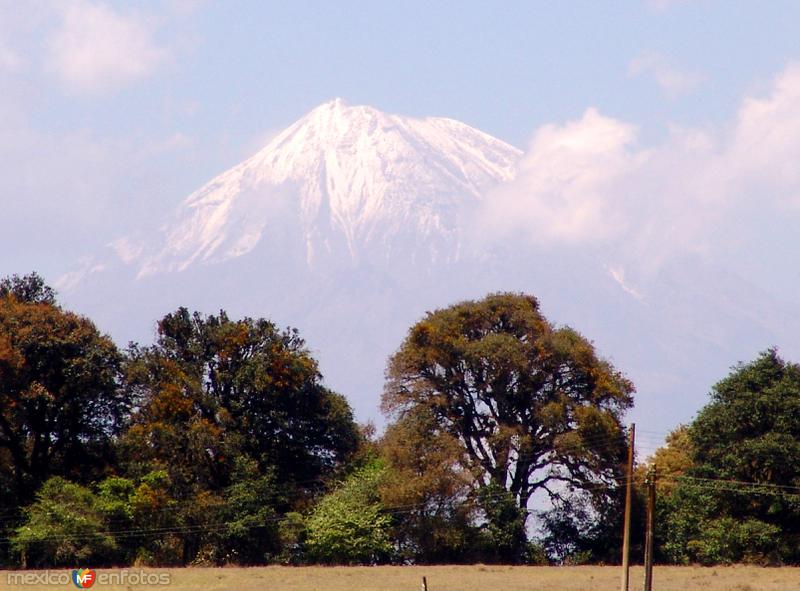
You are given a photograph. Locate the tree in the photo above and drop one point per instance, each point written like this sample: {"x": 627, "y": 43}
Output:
{"x": 60, "y": 397}
{"x": 677, "y": 509}
{"x": 750, "y": 430}
{"x": 63, "y": 527}
{"x": 672, "y": 460}
{"x": 251, "y": 534}
{"x": 738, "y": 500}
{"x": 235, "y": 414}
{"x": 349, "y": 526}
{"x": 533, "y": 406}
{"x": 425, "y": 477}
{"x": 258, "y": 386}
{"x": 157, "y": 514}
{"x": 28, "y": 288}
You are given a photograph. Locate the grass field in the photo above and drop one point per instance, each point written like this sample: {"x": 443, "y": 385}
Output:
{"x": 456, "y": 578}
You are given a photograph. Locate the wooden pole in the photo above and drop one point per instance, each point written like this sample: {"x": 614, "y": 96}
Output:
{"x": 626, "y": 532}
{"x": 424, "y": 586}
{"x": 652, "y": 474}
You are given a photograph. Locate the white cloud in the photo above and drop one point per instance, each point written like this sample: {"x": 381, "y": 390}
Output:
{"x": 96, "y": 49}
{"x": 564, "y": 187}
{"x": 588, "y": 182}
{"x": 765, "y": 147}
{"x": 673, "y": 81}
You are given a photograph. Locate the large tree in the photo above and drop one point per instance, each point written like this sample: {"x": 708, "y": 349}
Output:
{"x": 60, "y": 397}
{"x": 235, "y": 413}
{"x": 534, "y": 407}
{"x": 244, "y": 383}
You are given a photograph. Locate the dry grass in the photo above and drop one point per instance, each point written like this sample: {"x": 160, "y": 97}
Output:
{"x": 463, "y": 578}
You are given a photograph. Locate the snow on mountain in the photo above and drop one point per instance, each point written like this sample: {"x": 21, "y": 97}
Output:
{"x": 344, "y": 182}
{"x": 351, "y": 223}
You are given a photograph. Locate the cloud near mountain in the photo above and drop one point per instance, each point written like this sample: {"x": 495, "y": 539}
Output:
{"x": 590, "y": 182}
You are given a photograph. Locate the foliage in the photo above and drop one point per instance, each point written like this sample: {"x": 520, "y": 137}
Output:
{"x": 692, "y": 528}
{"x": 742, "y": 446}
{"x": 252, "y": 534}
{"x": 60, "y": 397}
{"x": 587, "y": 527}
{"x": 63, "y": 527}
{"x": 425, "y": 477}
{"x": 751, "y": 428}
{"x": 349, "y": 526}
{"x": 158, "y": 514}
{"x": 505, "y": 524}
{"x": 235, "y": 415}
{"x": 218, "y": 444}
{"x": 673, "y": 460}
{"x": 292, "y": 531}
{"x": 533, "y": 406}
{"x": 242, "y": 387}
{"x": 30, "y": 289}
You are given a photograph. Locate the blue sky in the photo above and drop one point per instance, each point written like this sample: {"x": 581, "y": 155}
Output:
{"x": 231, "y": 66}
{"x": 150, "y": 99}
{"x": 685, "y": 114}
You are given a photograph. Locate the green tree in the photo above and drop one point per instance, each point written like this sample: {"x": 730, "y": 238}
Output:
{"x": 158, "y": 518}
{"x": 252, "y": 532}
{"x": 349, "y": 526}
{"x": 61, "y": 402}
{"x": 63, "y": 527}
{"x": 505, "y": 524}
{"x": 674, "y": 459}
{"x": 736, "y": 499}
{"x": 533, "y": 406}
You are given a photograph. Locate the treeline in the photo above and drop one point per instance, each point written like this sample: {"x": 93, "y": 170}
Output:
{"x": 220, "y": 444}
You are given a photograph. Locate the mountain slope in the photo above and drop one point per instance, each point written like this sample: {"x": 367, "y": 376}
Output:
{"x": 343, "y": 183}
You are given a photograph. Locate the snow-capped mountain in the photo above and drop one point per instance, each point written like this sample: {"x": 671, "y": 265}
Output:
{"x": 343, "y": 183}
{"x": 351, "y": 223}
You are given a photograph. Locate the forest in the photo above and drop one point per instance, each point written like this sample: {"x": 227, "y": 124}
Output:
{"x": 504, "y": 443}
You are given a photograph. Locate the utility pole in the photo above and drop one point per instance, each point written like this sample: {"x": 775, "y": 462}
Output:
{"x": 626, "y": 533}
{"x": 650, "y": 481}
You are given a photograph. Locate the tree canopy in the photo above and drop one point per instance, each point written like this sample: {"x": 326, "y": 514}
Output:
{"x": 534, "y": 407}
{"x": 61, "y": 399}
{"x": 241, "y": 384}
{"x": 738, "y": 499}
{"x": 425, "y": 476}
{"x": 349, "y": 526}
{"x": 235, "y": 414}
{"x": 29, "y": 288}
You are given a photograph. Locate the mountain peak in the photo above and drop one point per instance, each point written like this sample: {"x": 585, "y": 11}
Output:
{"x": 334, "y": 103}
{"x": 333, "y": 122}
{"x": 345, "y": 183}
{"x": 336, "y": 107}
